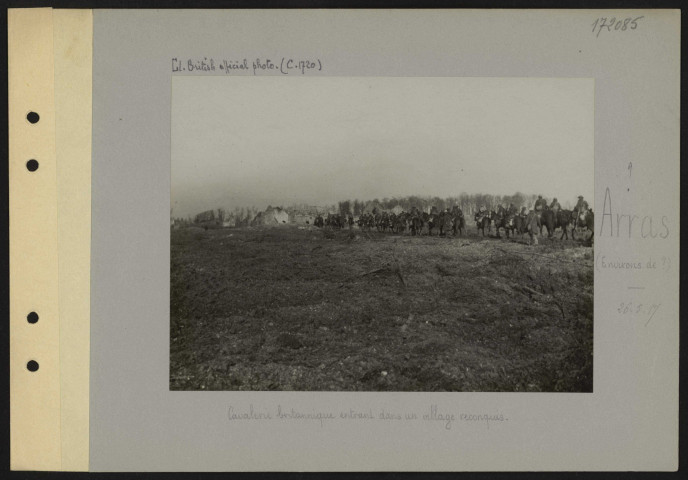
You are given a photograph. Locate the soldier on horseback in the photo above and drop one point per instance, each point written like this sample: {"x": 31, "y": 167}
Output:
{"x": 482, "y": 211}
{"x": 581, "y": 206}
{"x": 555, "y": 205}
{"x": 500, "y": 210}
{"x": 579, "y": 211}
{"x": 520, "y": 220}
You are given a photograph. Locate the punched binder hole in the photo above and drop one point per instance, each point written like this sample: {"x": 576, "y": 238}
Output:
{"x": 32, "y": 165}
{"x": 32, "y": 117}
{"x": 32, "y": 366}
{"x": 32, "y": 317}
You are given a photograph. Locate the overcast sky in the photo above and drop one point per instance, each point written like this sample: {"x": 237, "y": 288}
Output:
{"x": 258, "y": 141}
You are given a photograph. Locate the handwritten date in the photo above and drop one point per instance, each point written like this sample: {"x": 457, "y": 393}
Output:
{"x": 614, "y": 24}
{"x": 647, "y": 310}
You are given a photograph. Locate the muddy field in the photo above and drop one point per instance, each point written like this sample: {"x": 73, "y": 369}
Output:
{"x": 290, "y": 308}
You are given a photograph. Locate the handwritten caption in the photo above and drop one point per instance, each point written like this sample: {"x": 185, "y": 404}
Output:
{"x": 608, "y": 262}
{"x": 614, "y": 24}
{"x": 630, "y": 224}
{"x": 283, "y": 65}
{"x": 432, "y": 414}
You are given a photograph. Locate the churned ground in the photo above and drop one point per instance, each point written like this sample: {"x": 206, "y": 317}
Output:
{"x": 289, "y": 308}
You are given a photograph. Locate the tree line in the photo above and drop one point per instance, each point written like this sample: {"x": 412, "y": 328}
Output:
{"x": 469, "y": 204}
{"x": 243, "y": 216}
{"x": 240, "y": 216}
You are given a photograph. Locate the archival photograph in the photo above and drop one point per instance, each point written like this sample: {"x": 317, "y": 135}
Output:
{"x": 403, "y": 234}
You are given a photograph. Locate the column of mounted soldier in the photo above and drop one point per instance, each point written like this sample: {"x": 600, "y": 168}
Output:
{"x": 529, "y": 221}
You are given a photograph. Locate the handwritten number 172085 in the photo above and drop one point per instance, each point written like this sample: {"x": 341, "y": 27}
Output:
{"x": 614, "y": 24}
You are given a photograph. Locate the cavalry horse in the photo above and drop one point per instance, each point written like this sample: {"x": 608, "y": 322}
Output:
{"x": 483, "y": 220}
{"x": 444, "y": 223}
{"x": 416, "y": 224}
{"x": 563, "y": 220}
{"x": 553, "y": 219}
{"x": 511, "y": 224}
{"x": 585, "y": 220}
{"x": 547, "y": 221}
{"x": 431, "y": 220}
{"x": 503, "y": 220}
{"x": 519, "y": 224}
{"x": 458, "y": 223}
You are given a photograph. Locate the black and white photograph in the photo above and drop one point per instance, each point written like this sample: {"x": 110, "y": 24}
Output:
{"x": 397, "y": 234}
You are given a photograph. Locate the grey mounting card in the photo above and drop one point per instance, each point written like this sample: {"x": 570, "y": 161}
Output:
{"x": 287, "y": 269}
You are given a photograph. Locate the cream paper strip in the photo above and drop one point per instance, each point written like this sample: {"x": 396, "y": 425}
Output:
{"x": 34, "y": 396}
{"x": 73, "y": 34}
